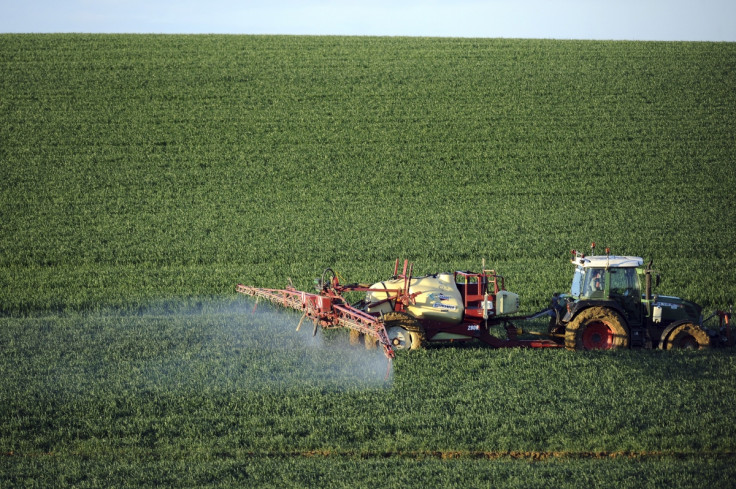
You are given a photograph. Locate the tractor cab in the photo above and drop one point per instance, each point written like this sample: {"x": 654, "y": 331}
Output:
{"x": 610, "y": 278}
{"x": 600, "y": 277}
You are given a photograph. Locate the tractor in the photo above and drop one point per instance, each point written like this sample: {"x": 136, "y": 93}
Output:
{"x": 611, "y": 305}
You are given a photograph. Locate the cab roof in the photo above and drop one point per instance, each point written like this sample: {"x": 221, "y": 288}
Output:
{"x": 606, "y": 261}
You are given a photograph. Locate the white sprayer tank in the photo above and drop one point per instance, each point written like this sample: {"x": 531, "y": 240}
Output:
{"x": 437, "y": 297}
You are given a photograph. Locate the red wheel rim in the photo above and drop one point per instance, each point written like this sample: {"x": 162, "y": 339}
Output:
{"x": 597, "y": 336}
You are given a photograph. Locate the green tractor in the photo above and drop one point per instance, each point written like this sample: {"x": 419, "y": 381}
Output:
{"x": 611, "y": 305}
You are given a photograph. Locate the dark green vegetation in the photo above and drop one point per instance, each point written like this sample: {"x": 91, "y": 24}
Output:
{"x": 140, "y": 167}
{"x": 222, "y": 395}
{"x": 143, "y": 176}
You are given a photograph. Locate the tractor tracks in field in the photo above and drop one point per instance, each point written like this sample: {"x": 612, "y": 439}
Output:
{"x": 439, "y": 455}
{"x": 503, "y": 454}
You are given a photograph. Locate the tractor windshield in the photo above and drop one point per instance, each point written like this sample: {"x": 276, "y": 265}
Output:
{"x": 593, "y": 282}
{"x": 587, "y": 281}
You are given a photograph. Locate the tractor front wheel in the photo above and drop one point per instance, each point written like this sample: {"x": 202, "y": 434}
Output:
{"x": 687, "y": 336}
{"x": 596, "y": 328}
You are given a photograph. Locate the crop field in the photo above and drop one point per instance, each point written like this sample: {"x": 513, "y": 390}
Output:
{"x": 144, "y": 176}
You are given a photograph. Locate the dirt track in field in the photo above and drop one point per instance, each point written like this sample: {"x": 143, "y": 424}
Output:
{"x": 512, "y": 455}
{"x": 447, "y": 455}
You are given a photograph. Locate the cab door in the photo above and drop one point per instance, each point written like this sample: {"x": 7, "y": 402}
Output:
{"x": 624, "y": 288}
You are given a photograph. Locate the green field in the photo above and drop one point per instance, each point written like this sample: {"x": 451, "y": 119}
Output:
{"x": 144, "y": 176}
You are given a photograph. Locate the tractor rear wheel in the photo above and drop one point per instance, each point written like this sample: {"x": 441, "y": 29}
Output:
{"x": 596, "y": 328}
{"x": 687, "y": 336}
{"x": 413, "y": 339}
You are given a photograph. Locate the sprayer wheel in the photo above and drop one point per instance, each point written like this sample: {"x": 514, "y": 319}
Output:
{"x": 687, "y": 336}
{"x": 409, "y": 324}
{"x": 354, "y": 337}
{"x": 399, "y": 338}
{"x": 596, "y": 328}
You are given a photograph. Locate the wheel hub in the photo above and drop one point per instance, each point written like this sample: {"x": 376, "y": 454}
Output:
{"x": 598, "y": 336}
{"x": 400, "y": 338}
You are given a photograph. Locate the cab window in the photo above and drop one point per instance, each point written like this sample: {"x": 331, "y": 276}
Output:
{"x": 594, "y": 282}
{"x": 576, "y": 290}
{"x": 625, "y": 282}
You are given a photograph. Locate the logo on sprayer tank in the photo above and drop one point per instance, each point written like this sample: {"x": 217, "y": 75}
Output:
{"x": 435, "y": 299}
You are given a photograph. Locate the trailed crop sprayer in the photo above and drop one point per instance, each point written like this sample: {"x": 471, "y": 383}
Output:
{"x": 407, "y": 312}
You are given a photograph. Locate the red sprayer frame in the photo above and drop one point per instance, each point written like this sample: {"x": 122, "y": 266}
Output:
{"x": 327, "y": 308}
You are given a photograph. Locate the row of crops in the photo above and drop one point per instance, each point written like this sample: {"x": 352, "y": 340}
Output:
{"x": 137, "y": 166}
{"x": 144, "y": 176}
{"x": 200, "y": 396}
